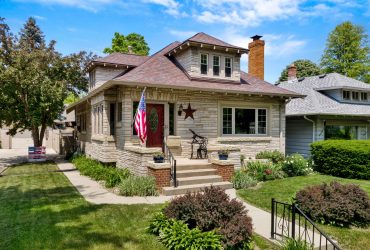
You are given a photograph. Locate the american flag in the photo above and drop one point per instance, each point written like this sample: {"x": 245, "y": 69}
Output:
{"x": 140, "y": 119}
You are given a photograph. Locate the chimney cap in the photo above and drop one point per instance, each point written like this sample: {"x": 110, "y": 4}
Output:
{"x": 256, "y": 37}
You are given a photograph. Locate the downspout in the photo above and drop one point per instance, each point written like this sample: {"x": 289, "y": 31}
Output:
{"x": 313, "y": 127}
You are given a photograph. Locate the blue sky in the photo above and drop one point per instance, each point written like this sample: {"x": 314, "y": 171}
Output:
{"x": 292, "y": 29}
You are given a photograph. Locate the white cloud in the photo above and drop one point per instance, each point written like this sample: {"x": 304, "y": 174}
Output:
{"x": 172, "y": 7}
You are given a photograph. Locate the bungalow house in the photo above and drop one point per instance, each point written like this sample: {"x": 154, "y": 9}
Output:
{"x": 196, "y": 84}
{"x": 335, "y": 107}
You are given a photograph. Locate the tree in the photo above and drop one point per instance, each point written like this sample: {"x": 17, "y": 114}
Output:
{"x": 304, "y": 68}
{"x": 121, "y": 43}
{"x": 347, "y": 52}
{"x": 34, "y": 80}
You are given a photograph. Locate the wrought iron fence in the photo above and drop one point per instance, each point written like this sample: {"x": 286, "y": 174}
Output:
{"x": 171, "y": 159}
{"x": 289, "y": 221}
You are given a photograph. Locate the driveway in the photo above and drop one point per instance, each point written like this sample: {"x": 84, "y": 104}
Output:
{"x": 10, "y": 157}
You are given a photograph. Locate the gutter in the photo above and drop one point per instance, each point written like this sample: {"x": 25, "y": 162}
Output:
{"x": 313, "y": 127}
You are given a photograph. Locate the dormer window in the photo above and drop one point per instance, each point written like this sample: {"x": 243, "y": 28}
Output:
{"x": 204, "y": 64}
{"x": 346, "y": 95}
{"x": 355, "y": 96}
{"x": 216, "y": 65}
{"x": 364, "y": 96}
{"x": 228, "y": 67}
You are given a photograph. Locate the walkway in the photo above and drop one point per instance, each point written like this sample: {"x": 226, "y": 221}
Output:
{"x": 95, "y": 193}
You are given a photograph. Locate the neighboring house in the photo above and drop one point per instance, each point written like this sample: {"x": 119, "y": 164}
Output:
{"x": 200, "y": 77}
{"x": 335, "y": 107}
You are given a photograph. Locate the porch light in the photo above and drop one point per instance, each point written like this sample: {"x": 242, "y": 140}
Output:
{"x": 179, "y": 111}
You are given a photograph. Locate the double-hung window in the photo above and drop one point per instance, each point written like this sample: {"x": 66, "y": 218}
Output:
{"x": 355, "y": 96}
{"x": 204, "y": 64}
{"x": 244, "y": 121}
{"x": 216, "y": 65}
{"x": 364, "y": 96}
{"x": 228, "y": 68}
{"x": 346, "y": 95}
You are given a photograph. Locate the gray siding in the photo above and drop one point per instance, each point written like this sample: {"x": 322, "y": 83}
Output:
{"x": 298, "y": 136}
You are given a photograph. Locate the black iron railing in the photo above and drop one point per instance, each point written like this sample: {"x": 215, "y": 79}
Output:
{"x": 171, "y": 159}
{"x": 289, "y": 221}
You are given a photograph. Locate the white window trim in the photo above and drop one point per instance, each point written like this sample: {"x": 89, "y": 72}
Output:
{"x": 200, "y": 67}
{"x": 231, "y": 67}
{"x": 233, "y": 121}
{"x": 219, "y": 65}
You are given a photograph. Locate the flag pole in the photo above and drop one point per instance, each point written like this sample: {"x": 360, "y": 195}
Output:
{"x": 133, "y": 121}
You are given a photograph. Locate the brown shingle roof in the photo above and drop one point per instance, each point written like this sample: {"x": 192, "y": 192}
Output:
{"x": 162, "y": 71}
{"x": 207, "y": 39}
{"x": 121, "y": 58}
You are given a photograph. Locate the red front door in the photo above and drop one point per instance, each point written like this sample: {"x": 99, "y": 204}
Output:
{"x": 155, "y": 123}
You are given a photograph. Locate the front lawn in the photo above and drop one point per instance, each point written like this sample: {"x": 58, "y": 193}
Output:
{"x": 40, "y": 209}
{"x": 285, "y": 190}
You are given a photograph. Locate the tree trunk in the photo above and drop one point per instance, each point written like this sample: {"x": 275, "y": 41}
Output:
{"x": 36, "y": 137}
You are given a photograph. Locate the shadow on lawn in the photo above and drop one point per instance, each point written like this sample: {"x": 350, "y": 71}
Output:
{"x": 57, "y": 218}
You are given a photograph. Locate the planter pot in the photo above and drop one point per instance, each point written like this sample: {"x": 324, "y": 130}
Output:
{"x": 158, "y": 159}
{"x": 223, "y": 157}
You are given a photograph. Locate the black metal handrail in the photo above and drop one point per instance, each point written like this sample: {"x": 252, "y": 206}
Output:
{"x": 171, "y": 159}
{"x": 285, "y": 226}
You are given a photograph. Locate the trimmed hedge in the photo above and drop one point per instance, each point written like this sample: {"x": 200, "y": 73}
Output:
{"x": 343, "y": 158}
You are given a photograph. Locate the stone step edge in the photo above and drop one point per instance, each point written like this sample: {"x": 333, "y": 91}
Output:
{"x": 198, "y": 186}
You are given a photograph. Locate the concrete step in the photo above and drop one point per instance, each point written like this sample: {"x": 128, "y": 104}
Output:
{"x": 195, "y": 188}
{"x": 196, "y": 172}
{"x": 193, "y": 166}
{"x": 199, "y": 180}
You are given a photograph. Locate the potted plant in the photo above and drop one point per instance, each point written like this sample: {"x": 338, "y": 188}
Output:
{"x": 223, "y": 154}
{"x": 158, "y": 157}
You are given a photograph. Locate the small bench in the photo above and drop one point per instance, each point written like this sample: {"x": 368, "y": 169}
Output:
{"x": 202, "y": 141}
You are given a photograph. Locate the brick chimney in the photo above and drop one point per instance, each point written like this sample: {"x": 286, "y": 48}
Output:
{"x": 292, "y": 72}
{"x": 256, "y": 59}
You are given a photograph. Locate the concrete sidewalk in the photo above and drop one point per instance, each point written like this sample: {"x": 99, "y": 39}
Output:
{"x": 95, "y": 193}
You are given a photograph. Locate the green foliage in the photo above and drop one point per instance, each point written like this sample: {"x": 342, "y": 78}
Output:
{"x": 292, "y": 244}
{"x": 179, "y": 236}
{"x": 212, "y": 209}
{"x": 274, "y": 156}
{"x": 242, "y": 179}
{"x": 264, "y": 171}
{"x": 337, "y": 204}
{"x": 347, "y": 52}
{"x": 295, "y": 165}
{"x": 71, "y": 98}
{"x": 138, "y": 186}
{"x": 35, "y": 80}
{"x": 343, "y": 158}
{"x": 110, "y": 175}
{"x": 305, "y": 68}
{"x": 121, "y": 43}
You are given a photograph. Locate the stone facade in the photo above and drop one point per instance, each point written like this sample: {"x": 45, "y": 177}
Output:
{"x": 123, "y": 147}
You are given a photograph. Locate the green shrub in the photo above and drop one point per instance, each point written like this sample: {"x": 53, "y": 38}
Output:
{"x": 264, "y": 171}
{"x": 296, "y": 165}
{"x": 292, "y": 244}
{"x": 242, "y": 180}
{"x": 138, "y": 186}
{"x": 212, "y": 209}
{"x": 158, "y": 223}
{"x": 110, "y": 175}
{"x": 274, "y": 156}
{"x": 179, "y": 236}
{"x": 337, "y": 204}
{"x": 343, "y": 158}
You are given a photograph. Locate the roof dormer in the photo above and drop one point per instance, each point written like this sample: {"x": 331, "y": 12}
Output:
{"x": 205, "y": 57}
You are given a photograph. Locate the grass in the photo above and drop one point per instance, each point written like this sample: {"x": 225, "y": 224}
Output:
{"x": 285, "y": 190}
{"x": 40, "y": 209}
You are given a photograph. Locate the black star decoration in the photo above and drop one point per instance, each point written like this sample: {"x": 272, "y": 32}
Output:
{"x": 189, "y": 112}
